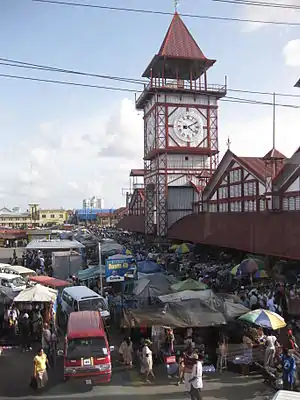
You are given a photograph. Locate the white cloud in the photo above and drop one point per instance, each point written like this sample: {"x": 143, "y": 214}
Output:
{"x": 277, "y": 14}
{"x": 291, "y": 53}
{"x": 74, "y": 159}
{"x": 252, "y": 135}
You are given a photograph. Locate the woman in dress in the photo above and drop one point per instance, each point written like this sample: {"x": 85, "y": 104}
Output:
{"x": 126, "y": 350}
{"x": 147, "y": 360}
{"x": 40, "y": 369}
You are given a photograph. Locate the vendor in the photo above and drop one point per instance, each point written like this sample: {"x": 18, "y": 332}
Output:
{"x": 169, "y": 340}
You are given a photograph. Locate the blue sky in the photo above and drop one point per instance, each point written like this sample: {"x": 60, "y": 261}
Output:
{"x": 55, "y": 133}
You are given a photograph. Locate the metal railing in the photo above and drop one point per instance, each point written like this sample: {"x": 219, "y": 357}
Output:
{"x": 195, "y": 86}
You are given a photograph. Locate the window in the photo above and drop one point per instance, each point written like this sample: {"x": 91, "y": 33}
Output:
{"x": 292, "y": 204}
{"x": 86, "y": 347}
{"x": 68, "y": 299}
{"x": 213, "y": 207}
{"x": 223, "y": 207}
{"x": 235, "y": 176}
{"x": 223, "y": 192}
{"x": 44, "y": 216}
{"x": 249, "y": 188}
{"x": 52, "y": 216}
{"x": 262, "y": 205}
{"x": 61, "y": 215}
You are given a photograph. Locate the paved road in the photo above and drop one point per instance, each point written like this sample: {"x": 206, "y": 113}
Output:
{"x": 5, "y": 254}
{"x": 16, "y": 370}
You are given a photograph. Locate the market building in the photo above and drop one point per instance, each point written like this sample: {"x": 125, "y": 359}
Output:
{"x": 184, "y": 192}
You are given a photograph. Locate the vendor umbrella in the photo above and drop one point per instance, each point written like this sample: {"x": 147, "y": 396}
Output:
{"x": 249, "y": 266}
{"x": 184, "y": 248}
{"x": 261, "y": 274}
{"x": 236, "y": 270}
{"x": 264, "y": 318}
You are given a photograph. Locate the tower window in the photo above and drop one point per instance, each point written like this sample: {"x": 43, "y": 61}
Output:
{"x": 186, "y": 158}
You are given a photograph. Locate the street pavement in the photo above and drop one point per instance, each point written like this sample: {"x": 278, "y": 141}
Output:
{"x": 16, "y": 369}
{"x": 5, "y": 254}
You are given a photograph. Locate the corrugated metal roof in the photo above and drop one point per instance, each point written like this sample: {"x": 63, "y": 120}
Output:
{"x": 179, "y": 43}
{"x": 256, "y": 165}
{"x": 45, "y": 244}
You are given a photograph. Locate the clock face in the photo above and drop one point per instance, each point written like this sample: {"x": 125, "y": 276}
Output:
{"x": 188, "y": 127}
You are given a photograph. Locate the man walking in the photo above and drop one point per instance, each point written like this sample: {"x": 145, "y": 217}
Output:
{"x": 196, "y": 379}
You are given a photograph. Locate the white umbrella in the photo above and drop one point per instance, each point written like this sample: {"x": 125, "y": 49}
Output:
{"x": 36, "y": 294}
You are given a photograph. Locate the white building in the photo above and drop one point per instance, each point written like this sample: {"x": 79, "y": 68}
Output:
{"x": 93, "y": 202}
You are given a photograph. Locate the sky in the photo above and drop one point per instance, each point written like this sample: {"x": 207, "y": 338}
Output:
{"x": 60, "y": 144}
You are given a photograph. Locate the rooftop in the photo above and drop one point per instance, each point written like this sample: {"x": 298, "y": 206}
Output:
{"x": 45, "y": 244}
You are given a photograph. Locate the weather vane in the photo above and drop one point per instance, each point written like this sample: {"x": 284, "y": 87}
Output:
{"x": 228, "y": 143}
{"x": 176, "y": 5}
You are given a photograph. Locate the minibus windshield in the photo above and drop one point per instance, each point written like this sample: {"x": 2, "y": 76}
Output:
{"x": 87, "y": 347}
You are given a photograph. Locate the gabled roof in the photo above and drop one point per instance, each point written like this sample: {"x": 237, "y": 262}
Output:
{"x": 179, "y": 43}
{"x": 274, "y": 154}
{"x": 256, "y": 165}
{"x": 290, "y": 168}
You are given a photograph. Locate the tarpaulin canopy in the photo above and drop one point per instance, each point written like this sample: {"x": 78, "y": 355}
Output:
{"x": 91, "y": 273}
{"x": 36, "y": 294}
{"x": 224, "y": 304}
{"x": 193, "y": 313}
{"x": 153, "y": 286}
{"x": 188, "y": 284}
{"x": 148, "y": 267}
{"x": 110, "y": 247}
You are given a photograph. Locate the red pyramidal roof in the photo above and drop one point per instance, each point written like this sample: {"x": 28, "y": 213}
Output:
{"x": 179, "y": 43}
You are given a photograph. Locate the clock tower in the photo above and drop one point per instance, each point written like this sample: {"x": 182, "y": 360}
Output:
{"x": 180, "y": 128}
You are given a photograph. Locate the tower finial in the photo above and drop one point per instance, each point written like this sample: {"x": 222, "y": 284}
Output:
{"x": 176, "y": 5}
{"x": 228, "y": 143}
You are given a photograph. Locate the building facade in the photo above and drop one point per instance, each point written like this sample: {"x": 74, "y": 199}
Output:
{"x": 93, "y": 202}
{"x": 33, "y": 217}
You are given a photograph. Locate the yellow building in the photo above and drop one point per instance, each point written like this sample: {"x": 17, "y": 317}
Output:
{"x": 34, "y": 217}
{"x": 52, "y": 217}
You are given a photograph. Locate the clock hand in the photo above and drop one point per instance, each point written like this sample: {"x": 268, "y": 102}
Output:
{"x": 194, "y": 123}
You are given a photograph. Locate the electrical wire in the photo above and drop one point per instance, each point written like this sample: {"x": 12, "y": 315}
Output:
{"x": 145, "y": 11}
{"x": 22, "y": 64}
{"x": 120, "y": 89}
{"x": 260, "y": 4}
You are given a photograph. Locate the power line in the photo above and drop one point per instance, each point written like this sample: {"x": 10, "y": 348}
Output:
{"x": 145, "y": 11}
{"x": 22, "y": 64}
{"x": 55, "y": 81}
{"x": 259, "y": 4}
{"x": 120, "y": 89}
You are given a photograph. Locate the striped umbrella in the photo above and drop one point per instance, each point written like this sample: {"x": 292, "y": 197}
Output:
{"x": 264, "y": 318}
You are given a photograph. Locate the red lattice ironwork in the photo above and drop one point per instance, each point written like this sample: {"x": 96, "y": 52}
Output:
{"x": 162, "y": 196}
{"x": 212, "y": 124}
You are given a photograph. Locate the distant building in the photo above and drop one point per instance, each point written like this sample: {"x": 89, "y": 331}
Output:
{"x": 93, "y": 202}
{"x": 33, "y": 217}
{"x": 52, "y": 217}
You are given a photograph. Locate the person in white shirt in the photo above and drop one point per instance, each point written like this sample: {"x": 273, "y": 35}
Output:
{"x": 196, "y": 379}
{"x": 270, "y": 351}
